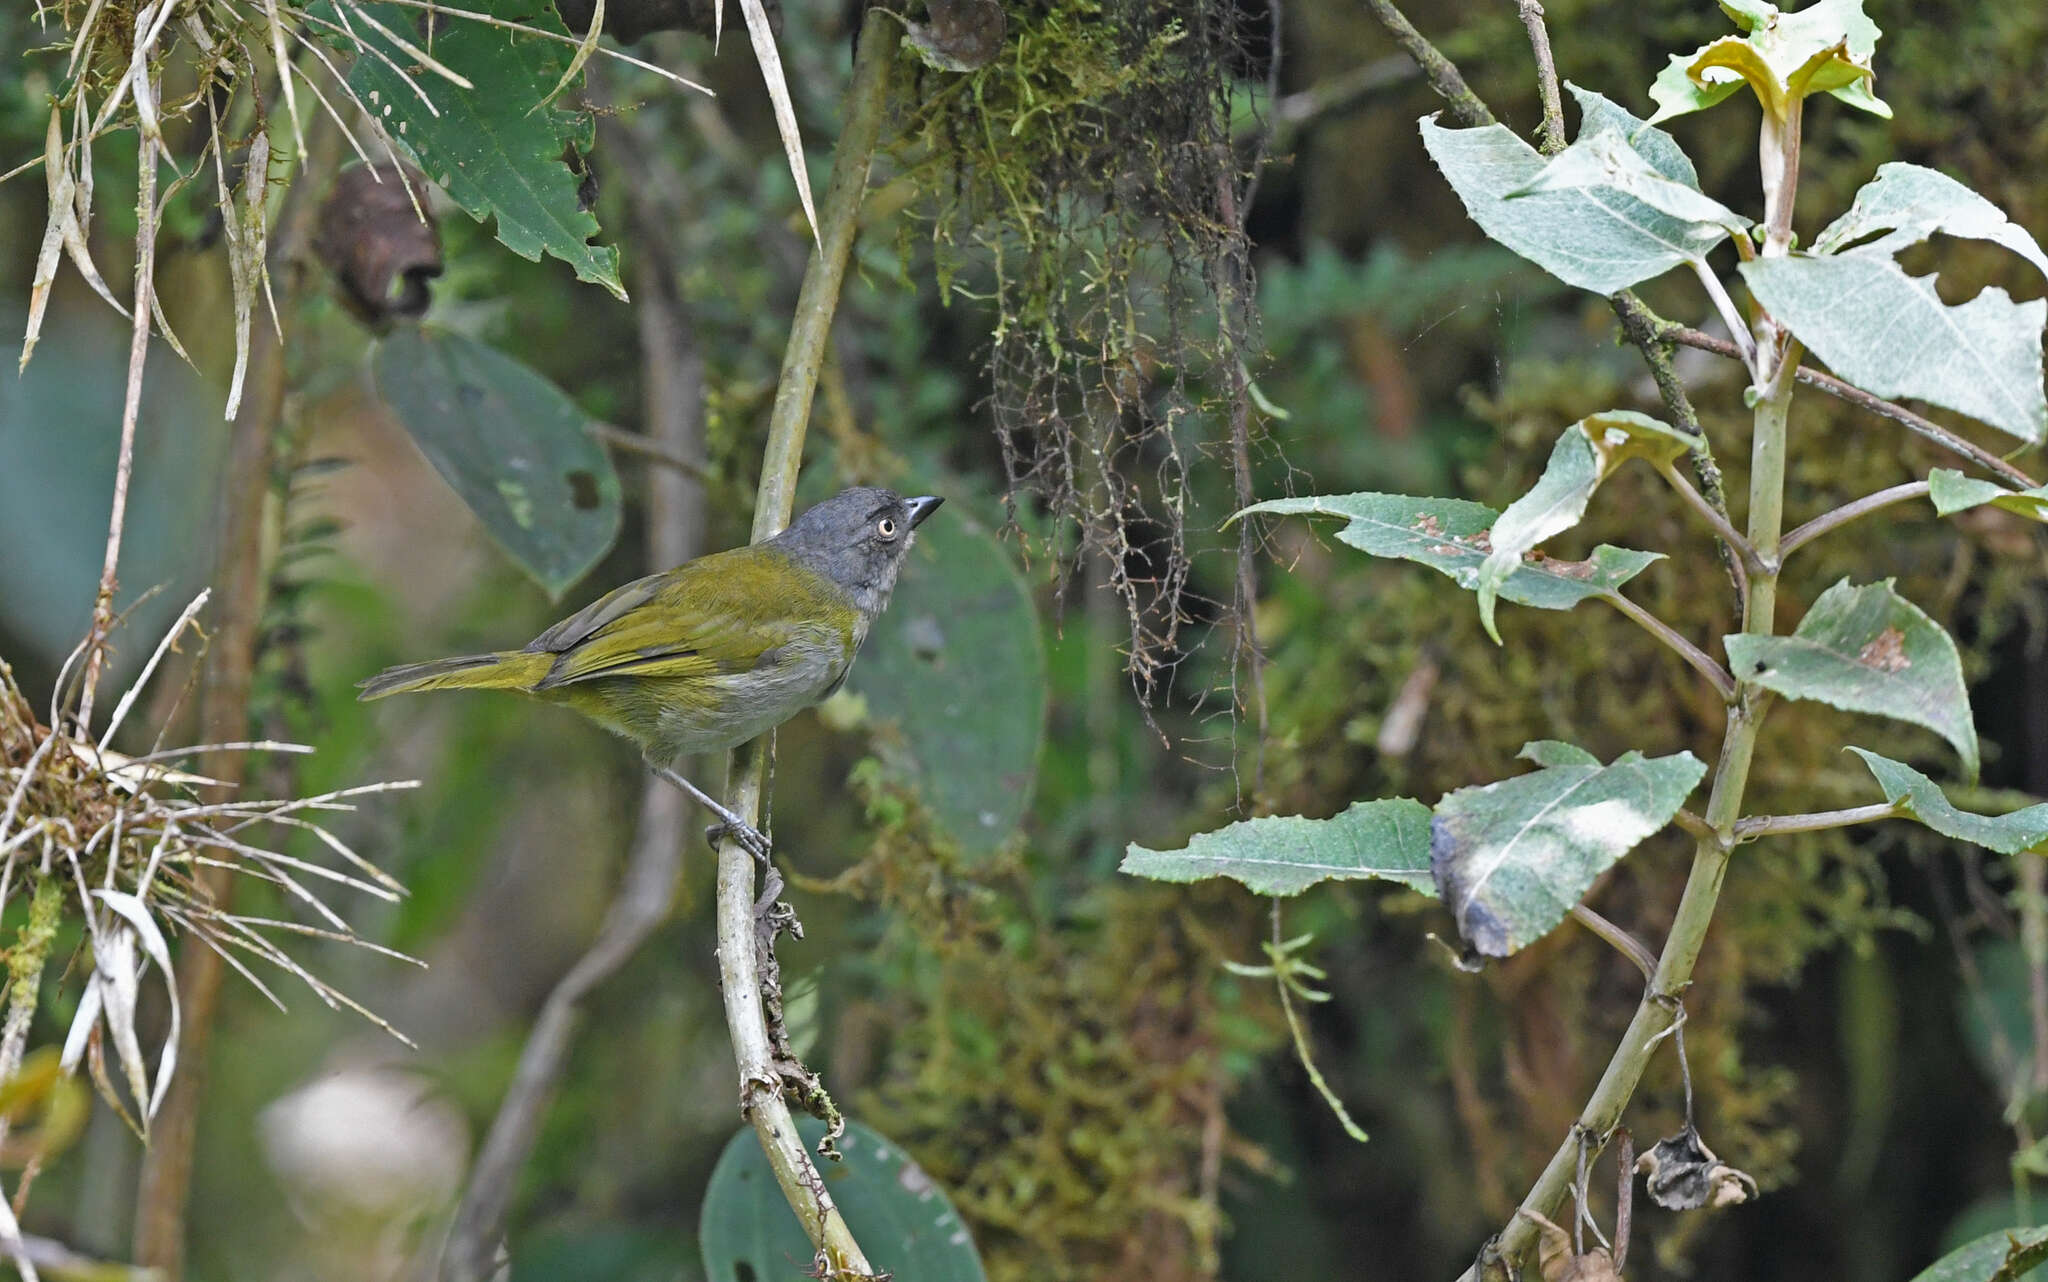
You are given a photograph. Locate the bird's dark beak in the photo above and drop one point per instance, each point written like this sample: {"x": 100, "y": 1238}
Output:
{"x": 920, "y": 508}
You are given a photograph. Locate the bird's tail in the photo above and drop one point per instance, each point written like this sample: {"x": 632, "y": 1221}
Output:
{"x": 505, "y": 670}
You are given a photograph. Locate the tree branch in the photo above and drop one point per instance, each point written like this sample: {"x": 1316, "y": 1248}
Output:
{"x": 761, "y": 1099}
{"x": 1465, "y": 106}
{"x": 1552, "y": 136}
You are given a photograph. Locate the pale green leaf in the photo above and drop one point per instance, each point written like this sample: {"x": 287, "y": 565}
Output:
{"x": 1892, "y": 335}
{"x": 1920, "y": 798}
{"x": 1604, "y": 164}
{"x": 491, "y": 148}
{"x": 1996, "y": 1257}
{"x": 1597, "y": 114}
{"x": 1868, "y": 650}
{"x": 1597, "y": 239}
{"x": 1453, "y": 537}
{"x": 1909, "y": 203}
{"x": 511, "y": 444}
{"x": 1784, "y": 57}
{"x": 1512, "y": 858}
{"x": 1555, "y": 752}
{"x": 1286, "y": 854}
{"x": 1953, "y": 492}
{"x": 1585, "y": 455}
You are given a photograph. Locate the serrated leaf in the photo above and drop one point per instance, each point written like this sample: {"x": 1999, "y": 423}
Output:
{"x": 1890, "y": 334}
{"x": 491, "y": 148}
{"x": 1952, "y": 492}
{"x": 1598, "y": 239}
{"x": 1286, "y": 854}
{"x": 1511, "y": 858}
{"x": 1452, "y": 537}
{"x": 1995, "y": 1257}
{"x": 1556, "y": 752}
{"x": 1598, "y": 113}
{"x": 1909, "y": 203}
{"x": 1868, "y": 650}
{"x": 903, "y": 1220}
{"x": 1585, "y": 455}
{"x": 511, "y": 444}
{"x": 1784, "y": 57}
{"x": 1605, "y": 162}
{"x": 1920, "y": 798}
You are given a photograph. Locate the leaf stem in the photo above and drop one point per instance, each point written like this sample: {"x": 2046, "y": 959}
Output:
{"x": 1829, "y": 521}
{"x": 1731, "y": 316}
{"x": 1754, "y": 826}
{"x": 1626, "y": 944}
{"x": 1745, "y": 555}
{"x": 761, "y": 1099}
{"x": 1700, "y": 661}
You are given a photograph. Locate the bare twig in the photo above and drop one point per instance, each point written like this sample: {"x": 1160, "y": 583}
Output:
{"x": 1552, "y": 136}
{"x": 1700, "y": 661}
{"x": 1465, "y": 106}
{"x": 1755, "y": 826}
{"x": 761, "y": 1098}
{"x": 1856, "y": 396}
{"x": 1848, "y": 512}
{"x": 646, "y": 447}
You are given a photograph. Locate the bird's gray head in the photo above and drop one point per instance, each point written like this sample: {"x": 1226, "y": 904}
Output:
{"x": 858, "y": 538}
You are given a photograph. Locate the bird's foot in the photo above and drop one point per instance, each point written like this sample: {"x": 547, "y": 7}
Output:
{"x": 750, "y": 839}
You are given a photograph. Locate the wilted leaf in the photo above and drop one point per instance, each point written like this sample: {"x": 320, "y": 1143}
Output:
{"x": 1952, "y": 492}
{"x": 1890, "y": 334}
{"x": 1587, "y": 454}
{"x": 1453, "y": 537}
{"x": 1683, "y": 1174}
{"x": 1599, "y": 239}
{"x": 376, "y": 233}
{"x": 1823, "y": 48}
{"x": 1286, "y": 854}
{"x": 954, "y": 675}
{"x": 902, "y": 1220}
{"x": 1996, "y": 1257}
{"x": 1511, "y": 858}
{"x": 488, "y": 147}
{"x": 1909, "y": 203}
{"x": 511, "y": 444}
{"x": 1920, "y": 798}
{"x": 1867, "y": 649}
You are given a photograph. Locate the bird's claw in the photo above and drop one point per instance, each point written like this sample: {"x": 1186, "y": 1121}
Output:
{"x": 750, "y": 839}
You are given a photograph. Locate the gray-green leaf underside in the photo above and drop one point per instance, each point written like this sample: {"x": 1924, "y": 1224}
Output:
{"x": 1952, "y": 492}
{"x": 1909, "y": 203}
{"x": 1286, "y": 854}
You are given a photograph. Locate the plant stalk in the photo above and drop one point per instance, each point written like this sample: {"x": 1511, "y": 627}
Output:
{"x": 761, "y": 1098}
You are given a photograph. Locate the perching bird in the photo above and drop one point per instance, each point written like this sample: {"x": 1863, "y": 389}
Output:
{"x": 708, "y": 655}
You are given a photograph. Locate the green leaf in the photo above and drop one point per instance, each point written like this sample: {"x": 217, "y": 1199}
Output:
{"x": 1995, "y": 1257}
{"x": 1555, "y": 752}
{"x": 1512, "y": 858}
{"x": 1890, "y": 334}
{"x": 1910, "y": 203}
{"x": 1953, "y": 492}
{"x": 1823, "y": 48}
{"x": 1452, "y": 537}
{"x": 1587, "y": 454}
{"x": 1603, "y": 164}
{"x": 902, "y": 1220}
{"x": 1597, "y": 114}
{"x": 1920, "y": 798}
{"x": 954, "y": 676}
{"x": 1867, "y": 649}
{"x": 489, "y": 147}
{"x": 1286, "y": 854}
{"x": 511, "y": 444}
{"x": 1601, "y": 239}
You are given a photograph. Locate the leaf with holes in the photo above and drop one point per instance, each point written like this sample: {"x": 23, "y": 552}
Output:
{"x": 1784, "y": 57}
{"x": 1600, "y": 237}
{"x": 1952, "y": 492}
{"x": 1587, "y": 454}
{"x": 1919, "y": 797}
{"x": 1996, "y": 1257}
{"x": 1909, "y": 203}
{"x": 1867, "y": 649}
{"x": 1286, "y": 854}
{"x": 1511, "y": 858}
{"x": 954, "y": 678}
{"x": 1453, "y": 537}
{"x": 493, "y": 148}
{"x": 1891, "y": 335}
{"x": 511, "y": 444}
{"x": 902, "y": 1220}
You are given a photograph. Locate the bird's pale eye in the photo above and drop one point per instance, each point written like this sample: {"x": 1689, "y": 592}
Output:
{"x": 886, "y": 527}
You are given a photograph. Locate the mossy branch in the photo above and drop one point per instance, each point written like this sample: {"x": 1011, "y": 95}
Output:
{"x": 761, "y": 1097}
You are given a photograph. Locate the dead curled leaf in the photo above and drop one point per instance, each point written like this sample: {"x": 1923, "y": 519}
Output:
{"x": 377, "y": 235}
{"x": 1555, "y": 1257}
{"x": 1683, "y": 1174}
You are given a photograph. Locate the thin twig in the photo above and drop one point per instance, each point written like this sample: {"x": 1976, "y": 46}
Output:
{"x": 761, "y": 1098}
{"x": 1700, "y": 661}
{"x": 1856, "y": 396}
{"x": 1626, "y": 944}
{"x": 1551, "y": 139}
{"x": 1745, "y": 555}
{"x": 635, "y": 443}
{"x": 1848, "y": 512}
{"x": 1755, "y": 826}
{"x": 1466, "y": 107}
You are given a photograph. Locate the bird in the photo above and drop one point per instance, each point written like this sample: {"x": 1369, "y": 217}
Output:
{"x": 716, "y": 651}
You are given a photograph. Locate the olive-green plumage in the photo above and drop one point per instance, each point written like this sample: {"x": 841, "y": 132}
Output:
{"x": 712, "y": 653}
